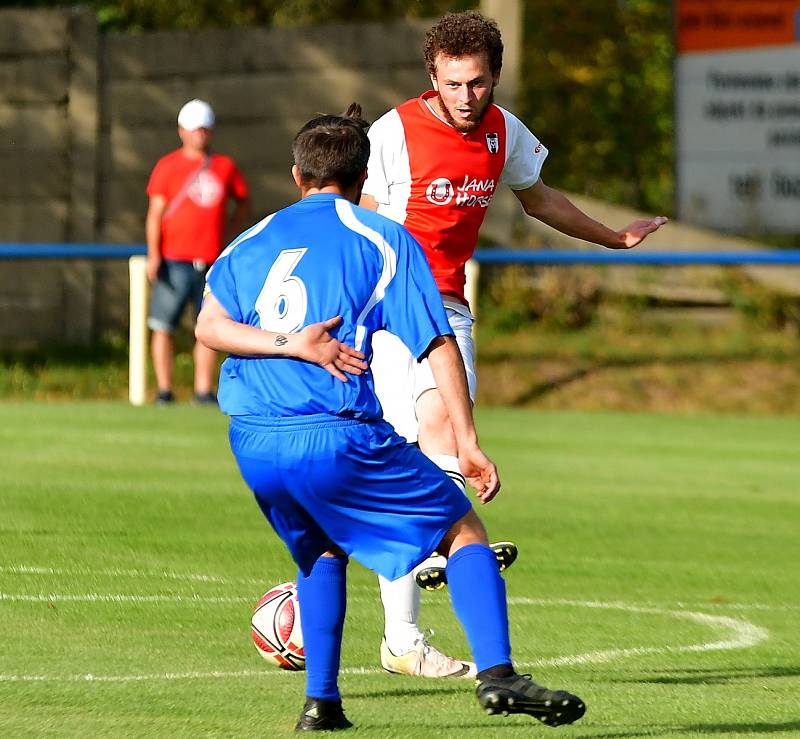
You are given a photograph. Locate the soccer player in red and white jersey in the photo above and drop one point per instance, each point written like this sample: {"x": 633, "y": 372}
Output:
{"x": 435, "y": 164}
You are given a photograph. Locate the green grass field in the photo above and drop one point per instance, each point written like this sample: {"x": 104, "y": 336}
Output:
{"x": 658, "y": 579}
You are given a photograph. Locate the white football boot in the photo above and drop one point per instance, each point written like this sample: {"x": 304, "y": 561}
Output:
{"x": 425, "y": 660}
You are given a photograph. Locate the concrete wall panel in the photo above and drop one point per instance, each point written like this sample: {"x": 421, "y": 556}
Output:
{"x": 84, "y": 120}
{"x": 31, "y": 301}
{"x": 34, "y": 79}
{"x": 33, "y": 175}
{"x": 32, "y": 127}
{"x": 41, "y": 220}
{"x": 33, "y": 32}
{"x": 194, "y": 55}
{"x": 111, "y": 297}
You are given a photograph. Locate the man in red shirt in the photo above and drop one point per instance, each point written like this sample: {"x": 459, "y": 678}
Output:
{"x": 186, "y": 227}
{"x": 435, "y": 163}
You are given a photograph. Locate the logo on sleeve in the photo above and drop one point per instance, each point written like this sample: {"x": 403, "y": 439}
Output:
{"x": 493, "y": 143}
{"x": 440, "y": 191}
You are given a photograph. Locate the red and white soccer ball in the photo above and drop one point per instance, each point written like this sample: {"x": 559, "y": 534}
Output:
{"x": 276, "y": 628}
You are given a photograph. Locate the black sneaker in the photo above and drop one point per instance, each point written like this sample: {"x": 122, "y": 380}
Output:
{"x": 205, "y": 398}
{"x": 519, "y": 694}
{"x": 165, "y": 397}
{"x": 506, "y": 553}
{"x": 322, "y": 715}
{"x": 431, "y": 574}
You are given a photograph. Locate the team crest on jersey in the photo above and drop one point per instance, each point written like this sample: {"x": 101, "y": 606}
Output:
{"x": 440, "y": 191}
{"x": 493, "y": 143}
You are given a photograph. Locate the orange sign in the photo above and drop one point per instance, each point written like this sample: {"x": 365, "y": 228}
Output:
{"x": 706, "y": 25}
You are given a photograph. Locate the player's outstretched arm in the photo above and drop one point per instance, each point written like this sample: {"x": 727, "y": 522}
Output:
{"x": 556, "y": 210}
{"x": 638, "y": 230}
{"x": 217, "y": 330}
{"x": 451, "y": 381}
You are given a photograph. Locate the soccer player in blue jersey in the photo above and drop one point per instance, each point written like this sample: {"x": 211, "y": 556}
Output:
{"x": 331, "y": 476}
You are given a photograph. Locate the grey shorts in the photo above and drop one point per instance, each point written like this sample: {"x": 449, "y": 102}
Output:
{"x": 178, "y": 283}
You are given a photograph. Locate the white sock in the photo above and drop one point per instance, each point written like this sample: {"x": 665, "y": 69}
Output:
{"x": 449, "y": 464}
{"x": 400, "y": 612}
{"x": 401, "y": 597}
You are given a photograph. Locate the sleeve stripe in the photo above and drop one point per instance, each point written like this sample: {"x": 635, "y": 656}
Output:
{"x": 344, "y": 209}
{"x": 456, "y": 477}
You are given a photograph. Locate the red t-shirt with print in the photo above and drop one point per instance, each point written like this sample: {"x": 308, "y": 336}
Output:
{"x": 192, "y": 227}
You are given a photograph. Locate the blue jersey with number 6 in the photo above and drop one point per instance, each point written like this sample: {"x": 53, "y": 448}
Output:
{"x": 322, "y": 257}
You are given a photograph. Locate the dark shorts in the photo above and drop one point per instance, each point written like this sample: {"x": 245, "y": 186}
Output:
{"x": 178, "y": 284}
{"x": 354, "y": 484}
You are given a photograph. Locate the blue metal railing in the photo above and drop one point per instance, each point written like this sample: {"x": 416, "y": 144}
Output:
{"x": 634, "y": 256}
{"x": 483, "y": 256}
{"x": 71, "y": 251}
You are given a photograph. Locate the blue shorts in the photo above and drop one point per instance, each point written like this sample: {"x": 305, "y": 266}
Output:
{"x": 322, "y": 480}
{"x": 177, "y": 284}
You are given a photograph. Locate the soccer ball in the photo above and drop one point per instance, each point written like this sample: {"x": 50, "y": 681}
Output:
{"x": 276, "y": 627}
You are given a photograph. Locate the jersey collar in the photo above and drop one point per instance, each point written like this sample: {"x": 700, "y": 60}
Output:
{"x": 324, "y": 196}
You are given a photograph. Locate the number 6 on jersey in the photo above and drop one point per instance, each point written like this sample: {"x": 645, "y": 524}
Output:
{"x": 283, "y": 301}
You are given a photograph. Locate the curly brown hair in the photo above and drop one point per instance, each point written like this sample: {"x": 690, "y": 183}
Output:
{"x": 464, "y": 34}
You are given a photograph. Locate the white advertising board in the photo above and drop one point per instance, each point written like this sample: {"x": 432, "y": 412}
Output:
{"x": 737, "y": 105}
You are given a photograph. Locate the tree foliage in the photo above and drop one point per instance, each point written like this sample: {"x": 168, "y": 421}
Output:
{"x": 596, "y": 88}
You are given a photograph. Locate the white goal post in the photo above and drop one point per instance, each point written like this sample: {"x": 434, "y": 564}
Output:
{"x": 138, "y": 354}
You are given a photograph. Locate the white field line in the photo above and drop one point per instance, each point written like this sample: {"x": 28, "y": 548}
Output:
{"x": 122, "y": 598}
{"x": 168, "y": 676}
{"x": 199, "y": 598}
{"x": 735, "y": 633}
{"x": 263, "y": 583}
{"x": 742, "y": 606}
{"x": 121, "y": 572}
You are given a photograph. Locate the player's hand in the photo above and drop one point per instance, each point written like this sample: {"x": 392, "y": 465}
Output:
{"x": 152, "y": 267}
{"x": 638, "y": 230}
{"x": 480, "y": 471}
{"x": 319, "y": 347}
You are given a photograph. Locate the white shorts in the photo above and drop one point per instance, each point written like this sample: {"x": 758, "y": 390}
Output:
{"x": 400, "y": 379}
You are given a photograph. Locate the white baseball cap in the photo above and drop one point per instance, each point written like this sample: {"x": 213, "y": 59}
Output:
{"x": 196, "y": 114}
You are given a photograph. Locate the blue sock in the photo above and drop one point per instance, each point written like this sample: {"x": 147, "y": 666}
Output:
{"x": 471, "y": 570}
{"x": 323, "y": 597}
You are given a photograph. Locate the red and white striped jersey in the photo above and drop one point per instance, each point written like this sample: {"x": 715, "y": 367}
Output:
{"x": 438, "y": 181}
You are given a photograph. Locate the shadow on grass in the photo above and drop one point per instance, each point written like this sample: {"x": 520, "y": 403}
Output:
{"x": 699, "y": 729}
{"x": 713, "y": 677}
{"x": 395, "y": 727}
{"x": 592, "y": 366}
{"x": 759, "y": 728}
{"x": 404, "y": 692}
